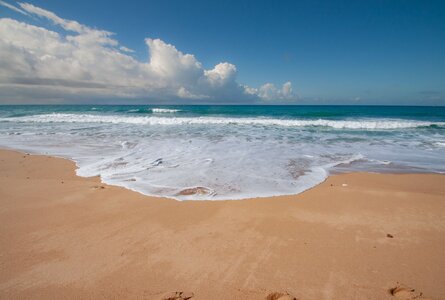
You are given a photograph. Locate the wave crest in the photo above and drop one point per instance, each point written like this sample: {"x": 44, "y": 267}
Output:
{"x": 153, "y": 120}
{"x": 164, "y": 110}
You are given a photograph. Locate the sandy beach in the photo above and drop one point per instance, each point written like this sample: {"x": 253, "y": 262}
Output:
{"x": 222, "y": 150}
{"x": 355, "y": 236}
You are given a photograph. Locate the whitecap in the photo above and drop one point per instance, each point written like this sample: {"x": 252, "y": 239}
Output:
{"x": 364, "y": 124}
{"x": 164, "y": 110}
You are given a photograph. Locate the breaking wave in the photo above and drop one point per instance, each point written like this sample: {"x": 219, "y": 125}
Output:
{"x": 371, "y": 124}
{"x": 164, "y": 110}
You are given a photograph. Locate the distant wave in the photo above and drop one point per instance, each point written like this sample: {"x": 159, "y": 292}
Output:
{"x": 371, "y": 124}
{"x": 164, "y": 110}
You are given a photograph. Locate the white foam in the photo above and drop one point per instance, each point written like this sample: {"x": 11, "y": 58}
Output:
{"x": 371, "y": 124}
{"x": 382, "y": 162}
{"x": 164, "y": 110}
{"x": 233, "y": 158}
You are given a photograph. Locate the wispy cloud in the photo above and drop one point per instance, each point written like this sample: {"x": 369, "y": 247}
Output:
{"x": 125, "y": 49}
{"x": 10, "y": 6}
{"x": 66, "y": 24}
{"x": 89, "y": 62}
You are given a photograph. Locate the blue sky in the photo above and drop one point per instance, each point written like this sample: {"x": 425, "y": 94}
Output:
{"x": 332, "y": 52}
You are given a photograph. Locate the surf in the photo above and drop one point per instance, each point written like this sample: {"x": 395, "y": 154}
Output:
{"x": 371, "y": 124}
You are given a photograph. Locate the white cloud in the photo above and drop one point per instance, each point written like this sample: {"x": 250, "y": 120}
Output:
{"x": 37, "y": 62}
{"x": 221, "y": 74}
{"x": 125, "y": 49}
{"x": 268, "y": 91}
{"x": 10, "y": 6}
{"x": 185, "y": 94}
{"x": 170, "y": 64}
{"x": 66, "y": 24}
{"x": 286, "y": 90}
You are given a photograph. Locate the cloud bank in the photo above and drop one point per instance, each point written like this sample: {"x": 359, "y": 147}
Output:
{"x": 87, "y": 63}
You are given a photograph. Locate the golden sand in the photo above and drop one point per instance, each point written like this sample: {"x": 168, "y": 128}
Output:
{"x": 355, "y": 236}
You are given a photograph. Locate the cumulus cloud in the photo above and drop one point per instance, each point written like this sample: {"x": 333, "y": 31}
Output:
{"x": 221, "y": 74}
{"x": 83, "y": 61}
{"x": 269, "y": 92}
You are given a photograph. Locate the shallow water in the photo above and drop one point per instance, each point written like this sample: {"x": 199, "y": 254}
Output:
{"x": 229, "y": 152}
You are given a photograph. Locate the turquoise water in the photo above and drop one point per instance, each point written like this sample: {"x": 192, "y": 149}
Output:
{"x": 230, "y": 152}
{"x": 427, "y": 113}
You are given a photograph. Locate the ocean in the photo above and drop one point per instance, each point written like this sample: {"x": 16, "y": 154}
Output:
{"x": 209, "y": 152}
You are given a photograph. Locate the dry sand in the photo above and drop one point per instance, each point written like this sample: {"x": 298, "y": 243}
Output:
{"x": 62, "y": 236}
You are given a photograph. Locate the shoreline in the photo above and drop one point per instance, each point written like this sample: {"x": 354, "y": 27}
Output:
{"x": 329, "y": 174}
{"x": 62, "y": 235}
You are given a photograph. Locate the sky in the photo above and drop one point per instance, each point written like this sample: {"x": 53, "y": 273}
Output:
{"x": 223, "y": 52}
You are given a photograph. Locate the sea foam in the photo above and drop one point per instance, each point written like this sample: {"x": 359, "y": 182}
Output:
{"x": 225, "y": 152}
{"x": 152, "y": 120}
{"x": 164, "y": 110}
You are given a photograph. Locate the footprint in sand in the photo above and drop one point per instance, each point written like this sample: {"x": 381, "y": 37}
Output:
{"x": 280, "y": 296}
{"x": 178, "y": 296}
{"x": 98, "y": 187}
{"x": 403, "y": 292}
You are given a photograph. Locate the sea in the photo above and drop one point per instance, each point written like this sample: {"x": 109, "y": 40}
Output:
{"x": 210, "y": 152}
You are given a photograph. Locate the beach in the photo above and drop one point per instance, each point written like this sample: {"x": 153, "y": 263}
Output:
{"x": 208, "y": 150}
{"x": 354, "y": 236}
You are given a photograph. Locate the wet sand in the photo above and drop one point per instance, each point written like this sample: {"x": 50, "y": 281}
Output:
{"x": 355, "y": 236}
